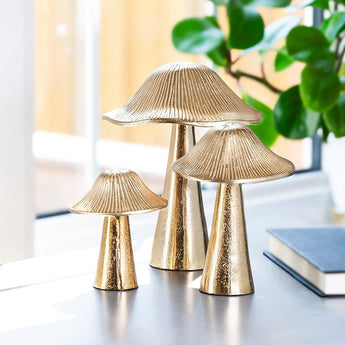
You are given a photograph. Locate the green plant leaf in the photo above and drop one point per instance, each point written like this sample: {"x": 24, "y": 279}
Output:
{"x": 340, "y": 2}
{"x": 219, "y": 56}
{"x": 265, "y": 130}
{"x": 220, "y": 2}
{"x": 267, "y": 3}
{"x": 324, "y": 4}
{"x": 309, "y": 44}
{"x": 246, "y": 25}
{"x": 325, "y": 130}
{"x": 335, "y": 118}
{"x": 197, "y": 35}
{"x": 333, "y": 25}
{"x": 274, "y": 33}
{"x": 282, "y": 60}
{"x": 342, "y": 69}
{"x": 292, "y": 119}
{"x": 341, "y": 75}
{"x": 314, "y": 3}
{"x": 342, "y": 81}
{"x": 319, "y": 89}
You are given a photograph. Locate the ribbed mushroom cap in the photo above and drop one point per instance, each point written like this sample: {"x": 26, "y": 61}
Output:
{"x": 117, "y": 193}
{"x": 232, "y": 154}
{"x": 184, "y": 93}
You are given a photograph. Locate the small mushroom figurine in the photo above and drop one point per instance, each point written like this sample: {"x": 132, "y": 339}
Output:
{"x": 183, "y": 94}
{"x": 230, "y": 155}
{"x": 116, "y": 195}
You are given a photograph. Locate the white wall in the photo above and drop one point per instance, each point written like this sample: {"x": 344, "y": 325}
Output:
{"x": 333, "y": 163}
{"x": 16, "y": 125}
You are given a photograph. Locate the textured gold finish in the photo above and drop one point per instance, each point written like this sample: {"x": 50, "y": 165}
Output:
{"x": 116, "y": 269}
{"x": 227, "y": 268}
{"x": 181, "y": 238}
{"x": 337, "y": 218}
{"x": 119, "y": 192}
{"x": 230, "y": 155}
{"x": 116, "y": 194}
{"x": 184, "y": 93}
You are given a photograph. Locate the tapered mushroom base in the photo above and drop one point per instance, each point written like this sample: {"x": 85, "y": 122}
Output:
{"x": 227, "y": 269}
{"x": 116, "y": 270}
{"x": 181, "y": 238}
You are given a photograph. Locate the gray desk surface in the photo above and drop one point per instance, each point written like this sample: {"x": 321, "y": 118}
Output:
{"x": 168, "y": 307}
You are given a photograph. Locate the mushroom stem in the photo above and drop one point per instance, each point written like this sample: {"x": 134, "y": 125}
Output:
{"x": 115, "y": 269}
{"x": 181, "y": 239}
{"x": 227, "y": 269}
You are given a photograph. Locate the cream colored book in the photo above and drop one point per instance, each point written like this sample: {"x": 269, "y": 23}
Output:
{"x": 315, "y": 257}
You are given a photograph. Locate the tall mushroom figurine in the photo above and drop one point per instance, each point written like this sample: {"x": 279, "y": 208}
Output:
{"x": 231, "y": 155}
{"x": 183, "y": 94}
{"x": 116, "y": 195}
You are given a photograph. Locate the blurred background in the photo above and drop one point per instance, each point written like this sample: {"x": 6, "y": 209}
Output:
{"x": 65, "y": 63}
{"x": 134, "y": 39}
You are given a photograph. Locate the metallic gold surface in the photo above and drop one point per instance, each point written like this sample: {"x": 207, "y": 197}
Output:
{"x": 184, "y": 93}
{"x": 227, "y": 269}
{"x": 115, "y": 269}
{"x": 337, "y": 217}
{"x": 119, "y": 192}
{"x": 181, "y": 239}
{"x": 232, "y": 153}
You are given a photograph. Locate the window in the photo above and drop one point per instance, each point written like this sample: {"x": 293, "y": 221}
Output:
{"x": 71, "y": 91}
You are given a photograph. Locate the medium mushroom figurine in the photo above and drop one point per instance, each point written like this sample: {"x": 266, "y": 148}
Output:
{"x": 185, "y": 95}
{"x": 230, "y": 155}
{"x": 116, "y": 195}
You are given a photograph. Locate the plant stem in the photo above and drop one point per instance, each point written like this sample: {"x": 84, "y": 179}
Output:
{"x": 238, "y": 74}
{"x": 340, "y": 59}
{"x": 262, "y": 68}
{"x": 335, "y": 8}
{"x": 337, "y": 47}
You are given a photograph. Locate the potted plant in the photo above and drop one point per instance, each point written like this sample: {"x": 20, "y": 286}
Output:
{"x": 317, "y": 104}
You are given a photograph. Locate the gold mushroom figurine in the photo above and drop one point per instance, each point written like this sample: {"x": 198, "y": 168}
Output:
{"x": 184, "y": 94}
{"x": 230, "y": 155}
{"x": 116, "y": 195}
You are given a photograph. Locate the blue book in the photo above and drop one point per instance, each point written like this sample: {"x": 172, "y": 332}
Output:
{"x": 315, "y": 257}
